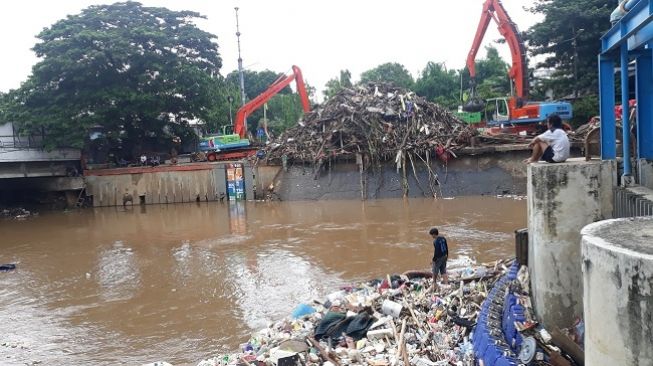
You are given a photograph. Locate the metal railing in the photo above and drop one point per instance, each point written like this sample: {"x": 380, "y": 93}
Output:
{"x": 632, "y": 202}
{"x": 21, "y": 142}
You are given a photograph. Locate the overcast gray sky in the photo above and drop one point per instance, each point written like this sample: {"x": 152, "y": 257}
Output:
{"x": 321, "y": 37}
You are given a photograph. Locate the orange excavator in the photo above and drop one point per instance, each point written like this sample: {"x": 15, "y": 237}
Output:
{"x": 233, "y": 142}
{"x": 515, "y": 110}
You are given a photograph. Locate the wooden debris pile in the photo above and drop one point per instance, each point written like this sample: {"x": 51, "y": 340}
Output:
{"x": 376, "y": 120}
{"x": 579, "y": 134}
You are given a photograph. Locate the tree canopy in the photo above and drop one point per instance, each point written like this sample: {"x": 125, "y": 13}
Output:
{"x": 569, "y": 37}
{"x": 256, "y": 82}
{"x": 390, "y": 72}
{"x": 443, "y": 86}
{"x": 136, "y": 71}
{"x": 570, "y": 27}
{"x": 334, "y": 85}
{"x": 439, "y": 84}
{"x": 492, "y": 75}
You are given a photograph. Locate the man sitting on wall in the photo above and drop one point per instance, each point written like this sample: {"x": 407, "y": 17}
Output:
{"x": 551, "y": 146}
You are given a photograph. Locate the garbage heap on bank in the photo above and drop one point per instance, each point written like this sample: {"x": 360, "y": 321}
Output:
{"x": 484, "y": 314}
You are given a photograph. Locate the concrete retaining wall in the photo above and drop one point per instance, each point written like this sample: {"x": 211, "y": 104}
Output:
{"x": 486, "y": 174}
{"x": 562, "y": 199}
{"x": 618, "y": 292}
{"x": 645, "y": 173}
{"x": 176, "y": 184}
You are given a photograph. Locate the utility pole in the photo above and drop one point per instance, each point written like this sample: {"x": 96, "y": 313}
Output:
{"x": 240, "y": 63}
{"x": 230, "y": 99}
{"x": 575, "y": 45}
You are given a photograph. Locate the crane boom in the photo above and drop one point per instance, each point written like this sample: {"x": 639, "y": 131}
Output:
{"x": 514, "y": 110}
{"x": 272, "y": 90}
{"x": 494, "y": 10}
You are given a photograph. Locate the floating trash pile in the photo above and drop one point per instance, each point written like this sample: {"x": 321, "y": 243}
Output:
{"x": 396, "y": 320}
{"x": 17, "y": 213}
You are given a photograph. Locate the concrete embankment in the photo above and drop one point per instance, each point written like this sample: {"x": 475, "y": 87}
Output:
{"x": 485, "y": 173}
{"x": 491, "y": 171}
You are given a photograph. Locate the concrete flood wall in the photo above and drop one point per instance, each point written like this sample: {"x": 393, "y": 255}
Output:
{"x": 165, "y": 184}
{"x": 487, "y": 173}
{"x": 484, "y": 174}
{"x": 618, "y": 290}
{"x": 562, "y": 199}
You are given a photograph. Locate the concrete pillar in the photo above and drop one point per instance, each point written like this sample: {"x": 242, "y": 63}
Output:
{"x": 250, "y": 185}
{"x": 562, "y": 199}
{"x": 607, "y": 95}
{"x": 618, "y": 292}
{"x": 645, "y": 170}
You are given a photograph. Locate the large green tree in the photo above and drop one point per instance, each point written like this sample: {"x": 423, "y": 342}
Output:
{"x": 134, "y": 70}
{"x": 390, "y": 72}
{"x": 491, "y": 75}
{"x": 569, "y": 38}
{"x": 439, "y": 84}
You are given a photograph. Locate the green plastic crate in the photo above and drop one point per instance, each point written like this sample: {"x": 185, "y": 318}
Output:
{"x": 469, "y": 117}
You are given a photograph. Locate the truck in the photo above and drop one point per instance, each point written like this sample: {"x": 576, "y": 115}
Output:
{"x": 233, "y": 143}
{"x": 514, "y": 113}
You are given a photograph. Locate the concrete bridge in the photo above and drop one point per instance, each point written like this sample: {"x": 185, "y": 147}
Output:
{"x": 26, "y": 166}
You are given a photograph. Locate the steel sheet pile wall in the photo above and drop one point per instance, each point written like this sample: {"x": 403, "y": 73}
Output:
{"x": 633, "y": 202}
{"x": 157, "y": 187}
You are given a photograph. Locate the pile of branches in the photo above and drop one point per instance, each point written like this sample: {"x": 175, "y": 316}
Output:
{"x": 376, "y": 120}
{"x": 579, "y": 134}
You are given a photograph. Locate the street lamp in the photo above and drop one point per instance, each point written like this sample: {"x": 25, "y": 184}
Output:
{"x": 240, "y": 62}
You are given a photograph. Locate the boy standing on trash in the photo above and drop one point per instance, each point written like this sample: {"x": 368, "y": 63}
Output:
{"x": 439, "y": 261}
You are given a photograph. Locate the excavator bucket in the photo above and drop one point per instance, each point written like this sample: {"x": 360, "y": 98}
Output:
{"x": 474, "y": 105}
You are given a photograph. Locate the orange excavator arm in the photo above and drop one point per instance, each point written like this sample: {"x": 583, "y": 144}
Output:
{"x": 494, "y": 10}
{"x": 256, "y": 103}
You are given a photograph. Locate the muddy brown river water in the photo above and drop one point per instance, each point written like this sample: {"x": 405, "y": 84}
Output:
{"x": 184, "y": 282}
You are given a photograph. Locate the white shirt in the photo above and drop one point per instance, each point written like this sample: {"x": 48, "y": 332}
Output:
{"x": 559, "y": 143}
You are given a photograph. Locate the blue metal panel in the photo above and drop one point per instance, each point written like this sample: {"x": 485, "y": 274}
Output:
{"x": 562, "y": 109}
{"x": 608, "y": 123}
{"x": 634, "y": 21}
{"x": 644, "y": 87}
{"x": 641, "y": 38}
{"x": 625, "y": 120}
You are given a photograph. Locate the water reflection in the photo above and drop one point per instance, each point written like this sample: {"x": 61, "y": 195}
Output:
{"x": 271, "y": 282}
{"x": 118, "y": 273}
{"x": 238, "y": 217}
